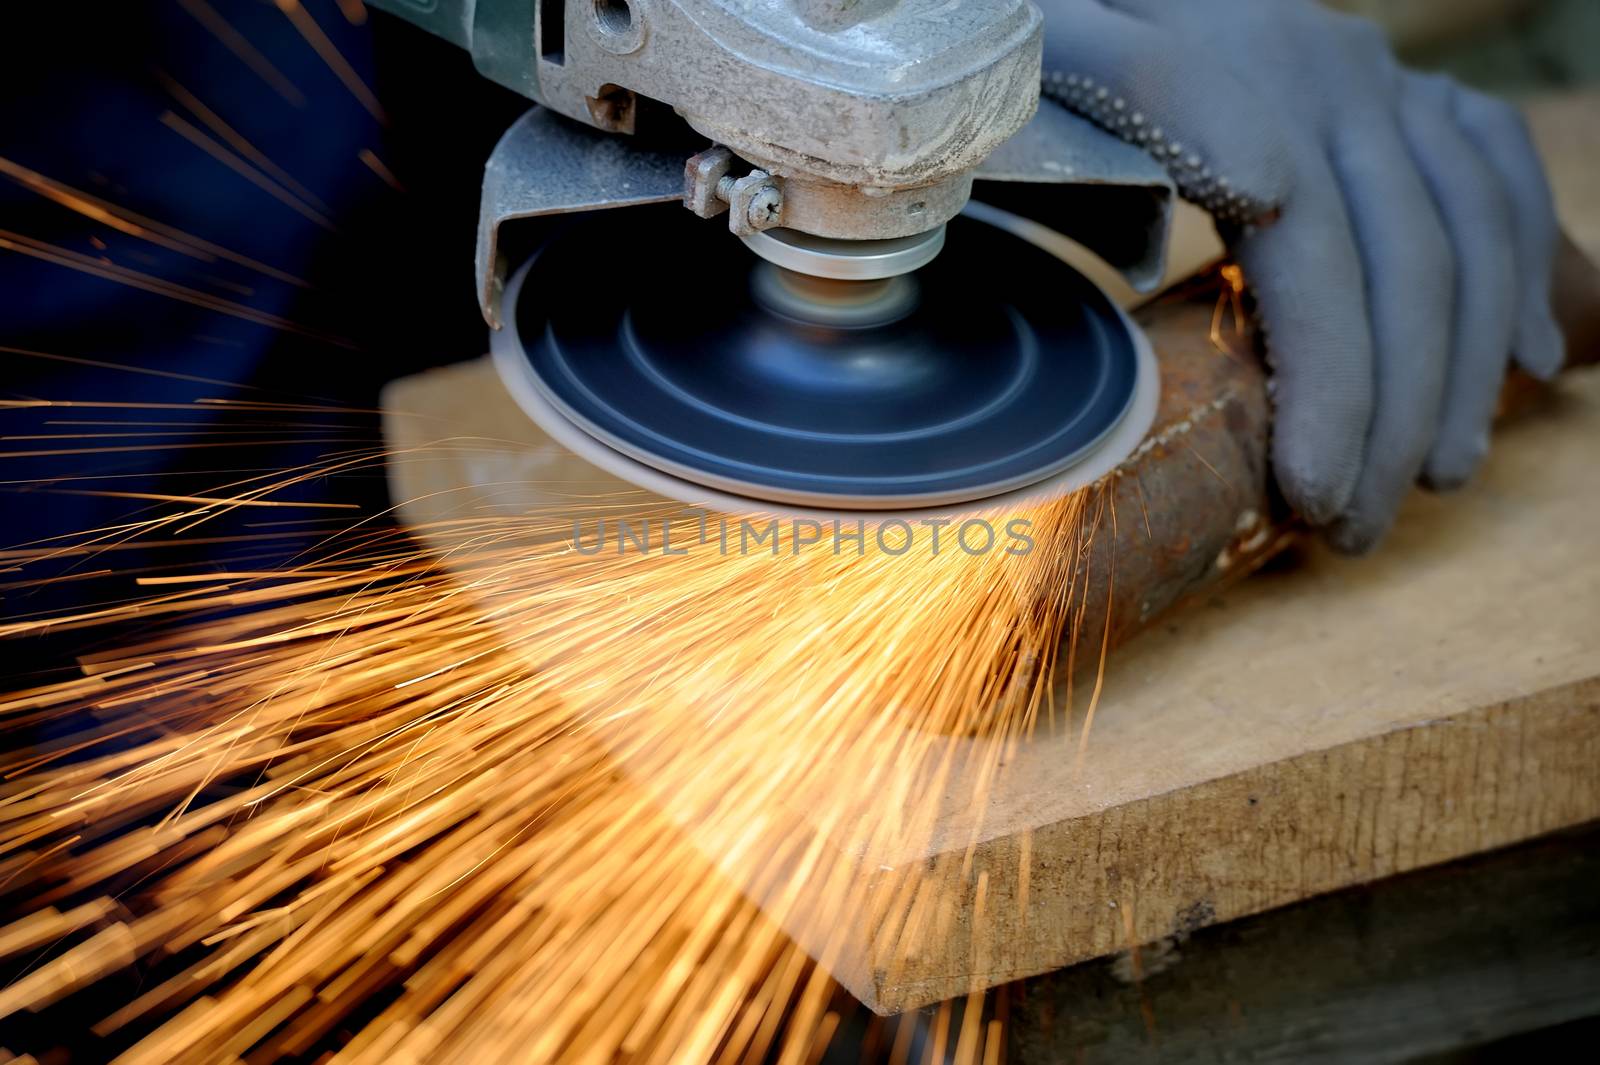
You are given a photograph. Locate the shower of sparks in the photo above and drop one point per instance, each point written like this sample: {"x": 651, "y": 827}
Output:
{"x": 238, "y": 142}
{"x": 319, "y": 41}
{"x": 240, "y": 46}
{"x": 135, "y": 225}
{"x": 491, "y": 798}
{"x": 354, "y": 11}
{"x": 504, "y": 800}
{"x": 370, "y": 160}
{"x": 104, "y": 268}
{"x": 1230, "y": 301}
{"x": 214, "y": 148}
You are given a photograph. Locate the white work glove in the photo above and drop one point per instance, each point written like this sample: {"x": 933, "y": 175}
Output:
{"x": 1396, "y": 228}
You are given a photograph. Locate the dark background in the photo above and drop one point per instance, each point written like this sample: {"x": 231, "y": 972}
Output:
{"x": 109, "y": 99}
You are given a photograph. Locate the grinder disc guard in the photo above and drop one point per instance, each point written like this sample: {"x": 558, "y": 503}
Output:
{"x": 994, "y": 367}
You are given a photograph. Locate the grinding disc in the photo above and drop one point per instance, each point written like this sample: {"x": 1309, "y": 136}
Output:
{"x": 994, "y": 368}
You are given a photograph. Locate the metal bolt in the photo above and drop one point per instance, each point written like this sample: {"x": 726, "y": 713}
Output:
{"x": 754, "y": 202}
{"x": 766, "y": 207}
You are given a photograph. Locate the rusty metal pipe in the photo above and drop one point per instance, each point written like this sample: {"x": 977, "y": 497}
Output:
{"x": 1195, "y": 508}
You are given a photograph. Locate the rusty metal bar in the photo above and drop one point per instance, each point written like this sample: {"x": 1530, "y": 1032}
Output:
{"x": 1195, "y": 509}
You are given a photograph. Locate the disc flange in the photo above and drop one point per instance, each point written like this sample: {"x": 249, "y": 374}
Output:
{"x": 1004, "y": 369}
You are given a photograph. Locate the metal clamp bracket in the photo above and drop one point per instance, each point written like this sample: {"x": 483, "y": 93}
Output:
{"x": 753, "y": 202}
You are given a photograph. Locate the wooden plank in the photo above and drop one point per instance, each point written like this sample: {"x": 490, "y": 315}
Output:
{"x": 1309, "y": 730}
{"x": 1305, "y": 731}
{"x": 1434, "y": 962}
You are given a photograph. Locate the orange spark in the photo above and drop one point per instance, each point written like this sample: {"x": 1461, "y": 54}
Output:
{"x": 502, "y": 799}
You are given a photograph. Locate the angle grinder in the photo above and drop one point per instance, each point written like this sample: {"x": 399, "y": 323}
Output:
{"x": 871, "y": 340}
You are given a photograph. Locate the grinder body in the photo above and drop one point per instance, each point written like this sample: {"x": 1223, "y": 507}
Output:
{"x": 870, "y": 117}
{"x": 845, "y": 136}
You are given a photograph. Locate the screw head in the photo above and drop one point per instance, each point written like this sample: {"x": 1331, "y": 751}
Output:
{"x": 766, "y": 207}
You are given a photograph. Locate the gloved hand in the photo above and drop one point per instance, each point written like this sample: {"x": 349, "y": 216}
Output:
{"x": 1396, "y": 228}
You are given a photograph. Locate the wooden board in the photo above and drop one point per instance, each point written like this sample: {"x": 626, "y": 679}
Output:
{"x": 1313, "y": 729}
{"x": 1309, "y": 730}
{"x": 1453, "y": 964}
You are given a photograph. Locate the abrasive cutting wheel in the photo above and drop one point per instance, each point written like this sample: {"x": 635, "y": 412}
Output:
{"x": 693, "y": 368}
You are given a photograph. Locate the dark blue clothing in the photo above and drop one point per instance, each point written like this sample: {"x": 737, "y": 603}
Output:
{"x": 122, "y": 102}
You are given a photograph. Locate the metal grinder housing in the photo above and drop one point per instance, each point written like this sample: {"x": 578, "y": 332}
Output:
{"x": 844, "y": 135}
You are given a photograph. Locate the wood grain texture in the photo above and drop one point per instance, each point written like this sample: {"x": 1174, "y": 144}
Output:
{"x": 1317, "y": 728}
{"x": 1430, "y": 964}
{"x": 1311, "y": 729}
{"x": 1303, "y": 731}
{"x": 1306, "y": 731}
